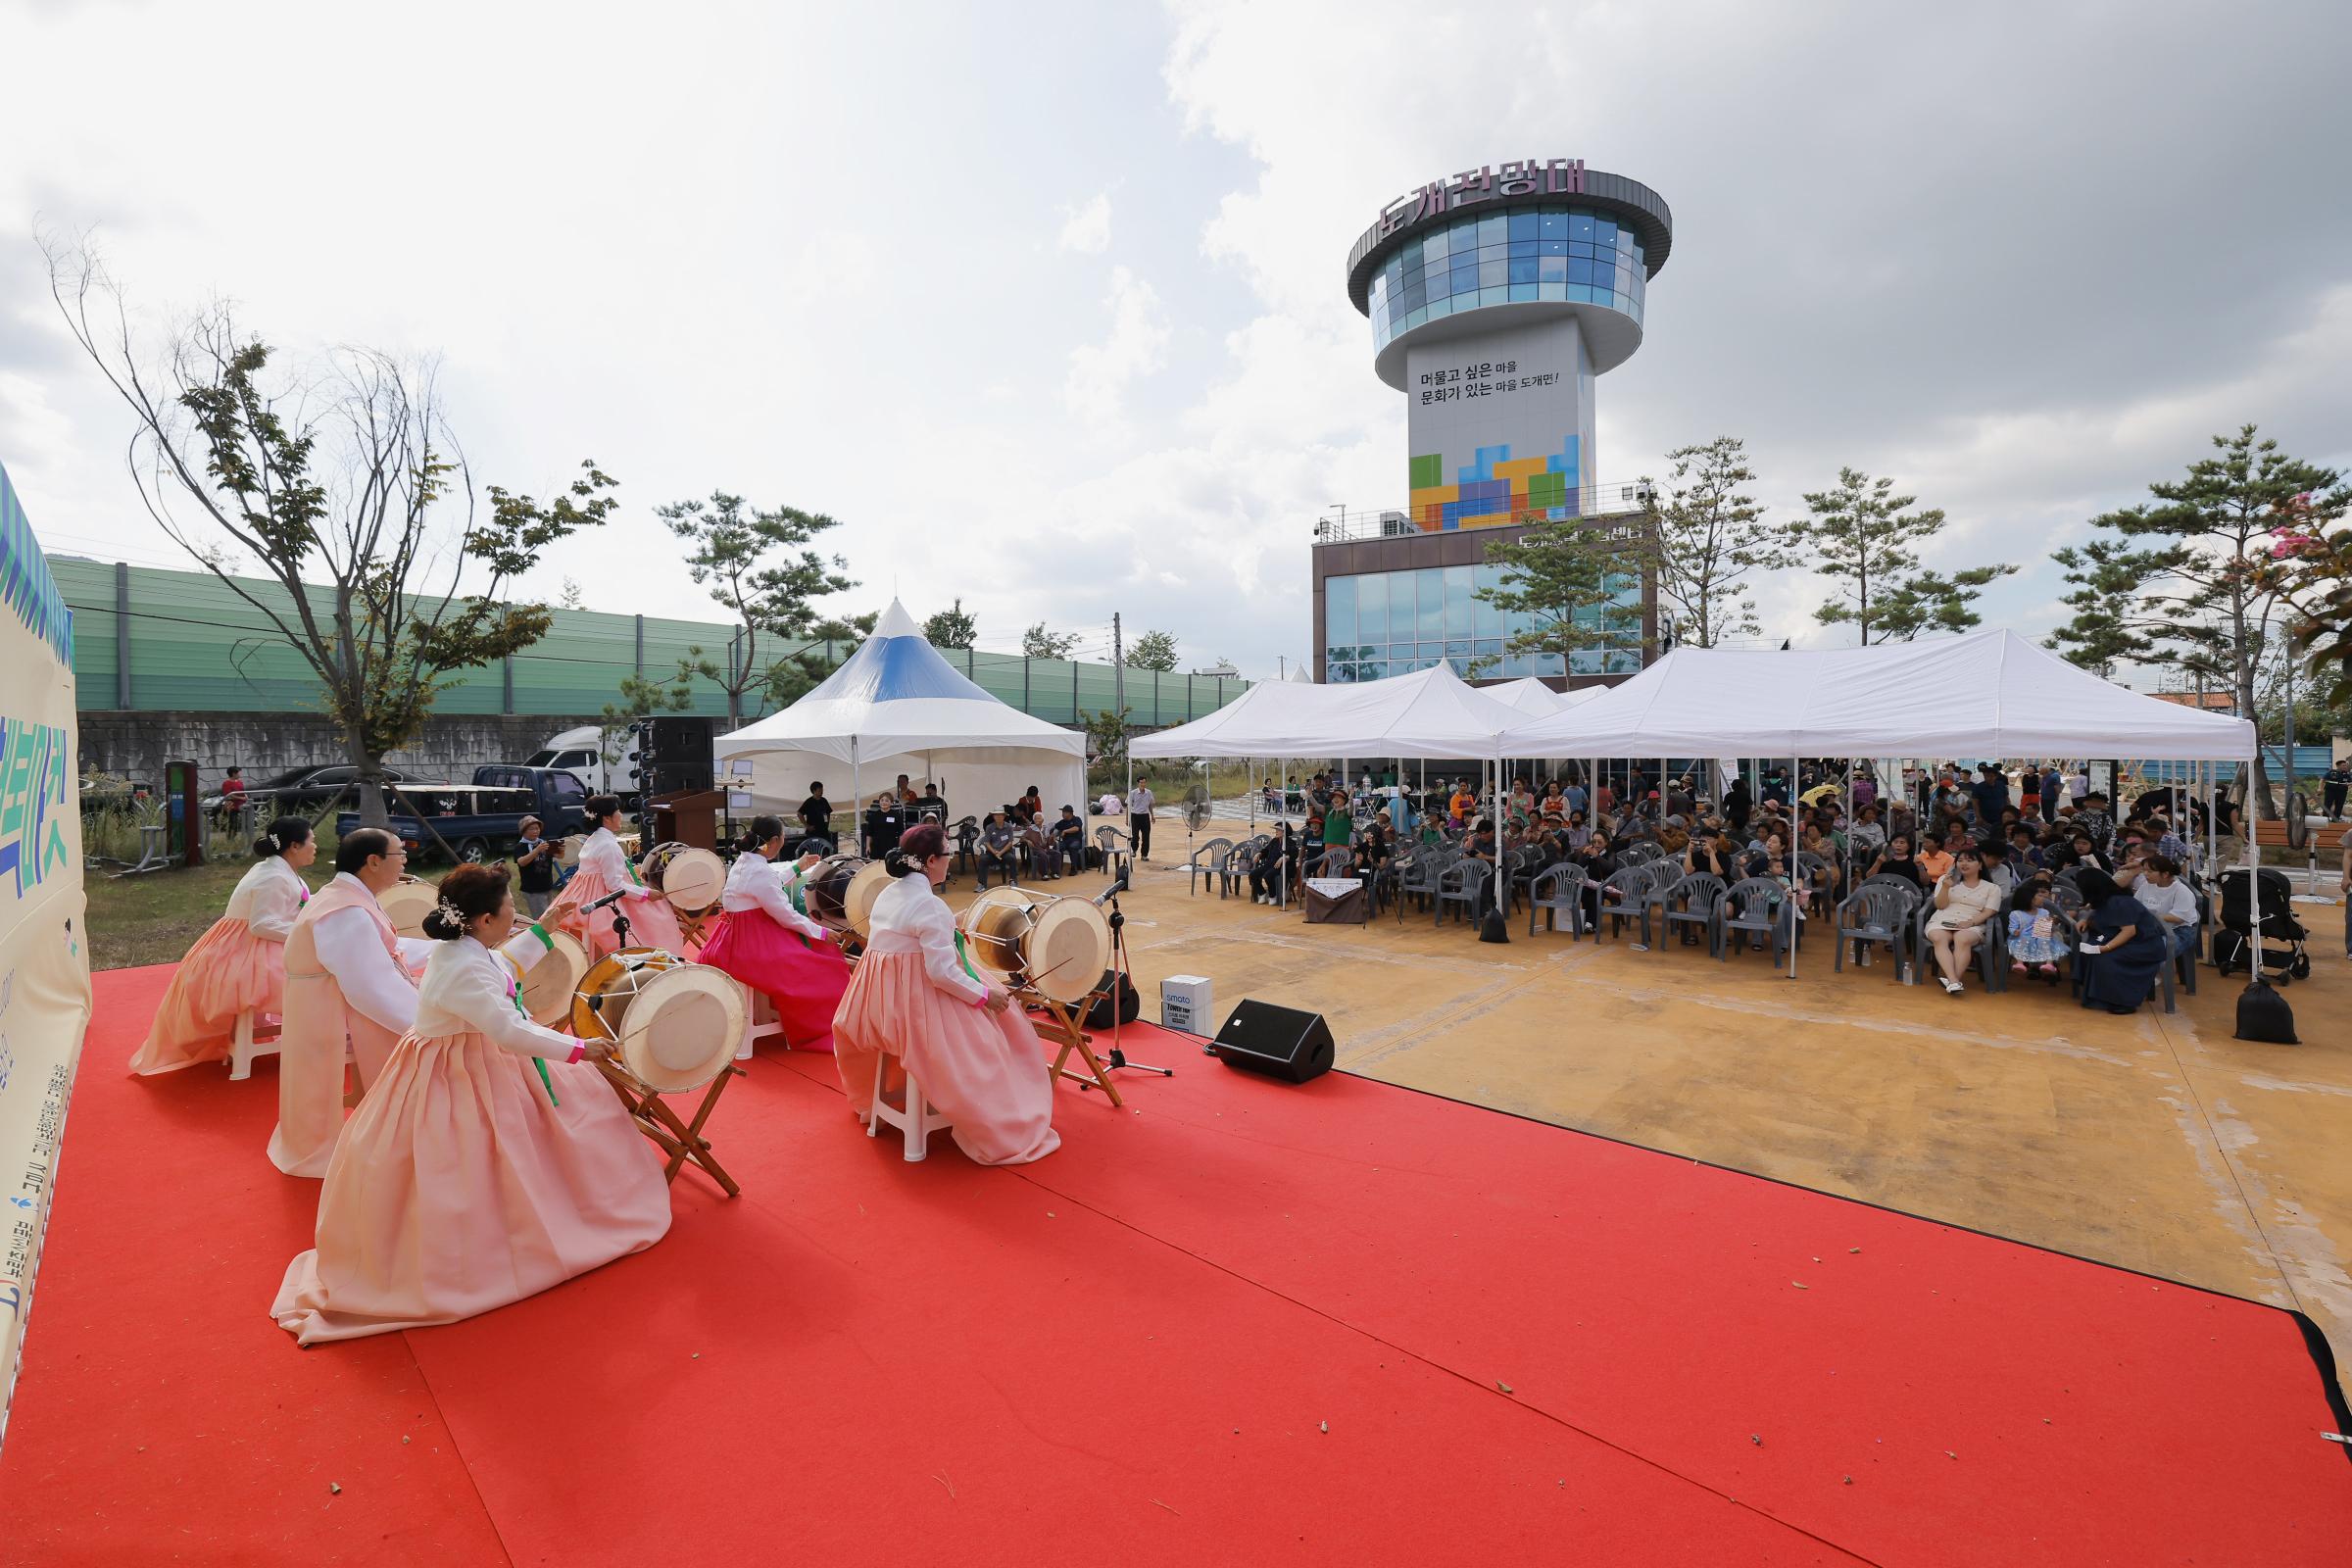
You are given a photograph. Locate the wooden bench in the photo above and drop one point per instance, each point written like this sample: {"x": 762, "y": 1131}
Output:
{"x": 2326, "y": 838}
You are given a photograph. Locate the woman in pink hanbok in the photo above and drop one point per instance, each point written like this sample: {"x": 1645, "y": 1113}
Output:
{"x": 486, "y": 1163}
{"x": 913, "y": 996}
{"x": 604, "y": 868}
{"x": 774, "y": 947}
{"x": 240, "y": 965}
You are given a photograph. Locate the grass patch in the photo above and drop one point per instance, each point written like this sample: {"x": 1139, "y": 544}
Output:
{"x": 155, "y": 918}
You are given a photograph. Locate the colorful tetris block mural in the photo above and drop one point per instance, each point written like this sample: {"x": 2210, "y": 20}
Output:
{"x": 1496, "y": 488}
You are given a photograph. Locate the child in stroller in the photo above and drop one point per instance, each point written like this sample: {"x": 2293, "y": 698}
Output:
{"x": 2234, "y": 940}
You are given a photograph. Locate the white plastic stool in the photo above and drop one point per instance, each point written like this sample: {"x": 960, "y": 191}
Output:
{"x": 245, "y": 1048}
{"x": 917, "y": 1119}
{"x": 759, "y": 1023}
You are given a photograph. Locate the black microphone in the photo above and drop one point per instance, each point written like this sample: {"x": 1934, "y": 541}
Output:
{"x": 610, "y": 897}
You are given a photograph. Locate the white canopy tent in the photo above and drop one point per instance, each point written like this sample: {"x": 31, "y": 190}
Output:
{"x": 1430, "y": 713}
{"x": 897, "y": 707}
{"x": 1986, "y": 695}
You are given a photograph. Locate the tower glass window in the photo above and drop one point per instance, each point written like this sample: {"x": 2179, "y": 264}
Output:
{"x": 1382, "y": 623}
{"x": 1489, "y": 261}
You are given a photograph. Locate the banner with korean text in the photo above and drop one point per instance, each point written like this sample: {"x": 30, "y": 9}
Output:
{"x": 44, "y": 955}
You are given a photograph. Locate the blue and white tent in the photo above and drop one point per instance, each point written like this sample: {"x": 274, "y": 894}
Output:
{"x": 897, "y": 707}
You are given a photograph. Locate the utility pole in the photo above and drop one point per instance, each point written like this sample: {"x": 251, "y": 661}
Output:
{"x": 1118, "y": 695}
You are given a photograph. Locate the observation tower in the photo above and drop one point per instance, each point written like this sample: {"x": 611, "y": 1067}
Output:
{"x": 1496, "y": 297}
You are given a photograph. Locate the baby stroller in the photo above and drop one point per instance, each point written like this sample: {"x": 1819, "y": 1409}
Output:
{"x": 2234, "y": 939}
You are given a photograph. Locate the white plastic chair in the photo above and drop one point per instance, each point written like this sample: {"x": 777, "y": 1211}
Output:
{"x": 916, "y": 1119}
{"x": 760, "y": 1021}
{"x": 245, "y": 1047}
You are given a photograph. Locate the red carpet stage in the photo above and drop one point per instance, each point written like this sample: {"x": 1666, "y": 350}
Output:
{"x": 1241, "y": 1322}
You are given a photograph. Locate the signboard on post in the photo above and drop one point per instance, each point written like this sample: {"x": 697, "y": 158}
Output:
{"x": 44, "y": 951}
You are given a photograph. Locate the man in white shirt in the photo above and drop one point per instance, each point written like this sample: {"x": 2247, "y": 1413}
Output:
{"x": 1139, "y": 817}
{"x": 2162, "y": 894}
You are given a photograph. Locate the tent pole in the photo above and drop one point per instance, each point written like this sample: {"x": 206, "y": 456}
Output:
{"x": 857, "y": 804}
{"x": 1789, "y": 847}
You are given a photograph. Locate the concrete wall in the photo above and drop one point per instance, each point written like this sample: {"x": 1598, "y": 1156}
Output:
{"x": 136, "y": 745}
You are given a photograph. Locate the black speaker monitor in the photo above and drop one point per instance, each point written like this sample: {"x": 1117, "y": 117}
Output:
{"x": 1281, "y": 1042}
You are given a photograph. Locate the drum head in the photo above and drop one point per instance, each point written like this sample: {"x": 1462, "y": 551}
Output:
{"x": 548, "y": 985}
{"x": 828, "y": 889}
{"x": 682, "y": 1028}
{"x": 571, "y": 849}
{"x": 601, "y": 1005}
{"x": 865, "y": 888}
{"x": 1069, "y": 948}
{"x": 406, "y": 905}
{"x": 691, "y": 879}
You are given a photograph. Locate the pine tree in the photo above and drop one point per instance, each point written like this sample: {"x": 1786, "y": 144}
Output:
{"x": 1866, "y": 538}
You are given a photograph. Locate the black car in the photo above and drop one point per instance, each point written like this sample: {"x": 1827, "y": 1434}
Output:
{"x": 298, "y": 789}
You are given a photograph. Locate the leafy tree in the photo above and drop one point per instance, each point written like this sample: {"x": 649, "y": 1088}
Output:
{"x": 1107, "y": 737}
{"x": 1564, "y": 575}
{"x": 570, "y": 598}
{"x": 1153, "y": 650}
{"x": 1039, "y": 643}
{"x": 951, "y": 628}
{"x": 758, "y": 565}
{"x": 345, "y": 484}
{"x": 1866, "y": 537}
{"x": 1711, "y": 535}
{"x": 2221, "y": 562}
{"x": 2323, "y": 623}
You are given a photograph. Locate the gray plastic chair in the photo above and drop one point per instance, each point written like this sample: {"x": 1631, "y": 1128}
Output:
{"x": 1622, "y": 897}
{"x": 1559, "y": 889}
{"x": 1233, "y": 873}
{"x": 1463, "y": 883}
{"x": 1688, "y": 901}
{"x": 1884, "y": 910}
{"x": 1754, "y": 903}
{"x": 1208, "y": 860}
{"x": 1114, "y": 844}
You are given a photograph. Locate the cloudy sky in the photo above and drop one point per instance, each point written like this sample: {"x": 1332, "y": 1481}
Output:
{"x": 1045, "y": 302}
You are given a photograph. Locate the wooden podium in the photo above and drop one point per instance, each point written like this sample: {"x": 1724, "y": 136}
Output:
{"x": 689, "y": 817}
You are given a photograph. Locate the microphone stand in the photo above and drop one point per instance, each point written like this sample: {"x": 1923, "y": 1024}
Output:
{"x": 1119, "y": 978}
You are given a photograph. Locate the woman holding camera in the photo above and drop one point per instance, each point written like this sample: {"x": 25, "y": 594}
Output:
{"x": 484, "y": 1164}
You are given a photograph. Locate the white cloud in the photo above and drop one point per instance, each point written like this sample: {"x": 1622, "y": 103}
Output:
{"x": 1086, "y": 229}
{"x": 1136, "y": 346}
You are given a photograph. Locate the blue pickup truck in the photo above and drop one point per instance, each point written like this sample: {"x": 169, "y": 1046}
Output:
{"x": 481, "y": 820}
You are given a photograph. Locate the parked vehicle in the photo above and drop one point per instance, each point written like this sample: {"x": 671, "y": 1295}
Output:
{"x": 298, "y": 788}
{"x": 581, "y": 752}
{"x": 480, "y": 820}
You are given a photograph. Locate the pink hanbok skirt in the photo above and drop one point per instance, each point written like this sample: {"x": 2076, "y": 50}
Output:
{"x": 459, "y": 1187}
{"x": 229, "y": 972}
{"x": 652, "y": 923}
{"x": 985, "y": 1070}
{"x": 805, "y": 978}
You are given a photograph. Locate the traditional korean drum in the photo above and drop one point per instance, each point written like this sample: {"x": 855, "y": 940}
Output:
{"x": 548, "y": 985}
{"x": 827, "y": 889}
{"x": 673, "y": 1025}
{"x": 407, "y": 904}
{"x": 1056, "y": 947}
{"x": 865, "y": 888}
{"x": 691, "y": 879}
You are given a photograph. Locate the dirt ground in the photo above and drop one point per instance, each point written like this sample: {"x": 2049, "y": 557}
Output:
{"x": 2155, "y": 1142}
